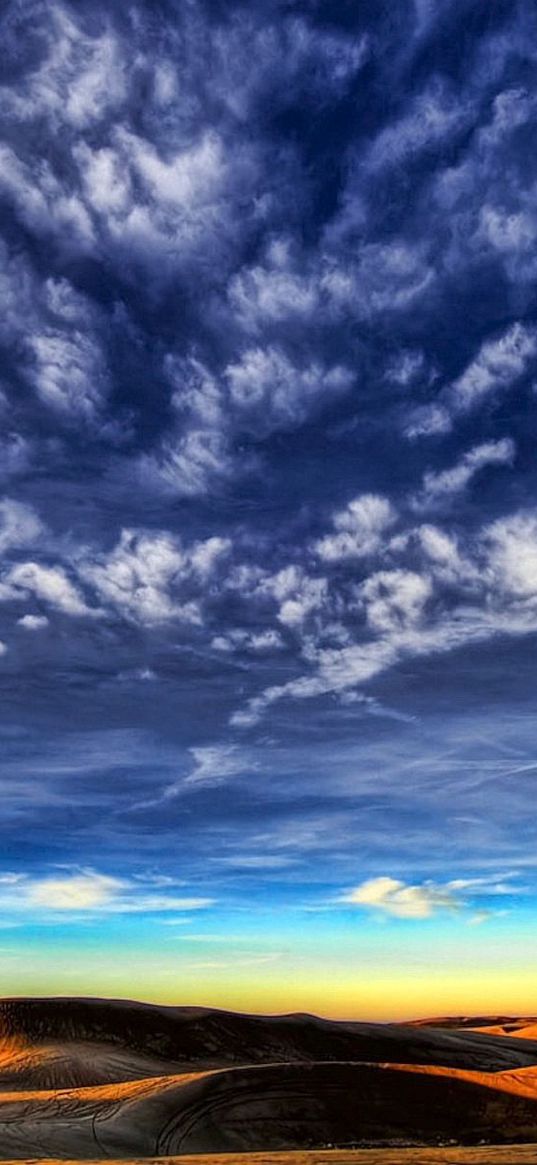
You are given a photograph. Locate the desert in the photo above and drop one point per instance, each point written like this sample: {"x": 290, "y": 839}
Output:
{"x": 105, "y": 1080}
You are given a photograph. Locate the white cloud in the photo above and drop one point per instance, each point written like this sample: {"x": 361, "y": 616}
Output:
{"x": 252, "y": 641}
{"x": 512, "y": 553}
{"x": 49, "y": 583}
{"x": 395, "y": 598}
{"x": 390, "y": 896}
{"x": 270, "y": 392}
{"x": 298, "y": 595}
{"x": 443, "y": 557}
{"x": 487, "y": 198}
{"x": 19, "y": 525}
{"x": 215, "y": 764}
{"x": 89, "y": 891}
{"x": 195, "y": 453}
{"x": 384, "y": 279}
{"x": 360, "y": 527}
{"x": 407, "y": 368}
{"x": 428, "y": 421}
{"x": 433, "y": 119}
{"x": 275, "y": 291}
{"x": 191, "y": 178}
{"x": 498, "y": 365}
{"x": 446, "y": 484}
{"x": 147, "y": 575}
{"x": 33, "y": 622}
{"x": 387, "y": 895}
{"x": 78, "y": 82}
{"x": 68, "y": 371}
{"x": 77, "y": 892}
{"x": 57, "y": 333}
{"x": 491, "y": 590}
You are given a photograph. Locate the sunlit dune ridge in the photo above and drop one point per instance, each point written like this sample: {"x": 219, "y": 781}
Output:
{"x": 523, "y": 1032}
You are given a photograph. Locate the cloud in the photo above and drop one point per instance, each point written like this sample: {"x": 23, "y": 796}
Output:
{"x": 215, "y": 764}
{"x": 498, "y": 365}
{"x": 297, "y": 594}
{"x": 398, "y": 899}
{"x": 19, "y": 525}
{"x": 58, "y": 338}
{"x": 501, "y": 362}
{"x": 152, "y": 578}
{"x": 390, "y": 896}
{"x": 428, "y": 421}
{"x": 89, "y": 891}
{"x": 78, "y": 892}
{"x": 439, "y": 488}
{"x": 237, "y": 639}
{"x": 274, "y": 291}
{"x": 50, "y": 584}
{"x": 270, "y": 392}
{"x": 33, "y": 622}
{"x": 68, "y": 372}
{"x": 434, "y": 118}
{"x": 78, "y": 80}
{"x": 395, "y": 599}
{"x": 360, "y": 529}
{"x": 487, "y": 195}
{"x": 409, "y": 614}
{"x": 512, "y": 554}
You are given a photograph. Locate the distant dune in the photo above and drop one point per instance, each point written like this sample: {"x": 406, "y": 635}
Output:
{"x": 103, "y": 1079}
{"x": 502, "y": 1023}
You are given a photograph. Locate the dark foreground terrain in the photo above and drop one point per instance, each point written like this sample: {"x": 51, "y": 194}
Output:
{"x": 113, "y": 1080}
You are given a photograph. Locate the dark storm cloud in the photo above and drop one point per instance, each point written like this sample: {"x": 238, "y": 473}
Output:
{"x": 269, "y": 345}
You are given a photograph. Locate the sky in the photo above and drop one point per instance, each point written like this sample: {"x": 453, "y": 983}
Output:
{"x": 268, "y": 512}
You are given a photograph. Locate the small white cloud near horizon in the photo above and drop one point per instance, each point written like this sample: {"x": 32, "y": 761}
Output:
{"x": 77, "y": 892}
{"x": 391, "y": 896}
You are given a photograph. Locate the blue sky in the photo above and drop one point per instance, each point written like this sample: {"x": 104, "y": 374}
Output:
{"x": 268, "y": 532}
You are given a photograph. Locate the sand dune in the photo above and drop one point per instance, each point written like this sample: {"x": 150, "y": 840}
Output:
{"x": 504, "y": 1024}
{"x": 105, "y": 1080}
{"x": 521, "y": 1030}
{"x": 124, "y": 1037}
{"x": 276, "y": 1106}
